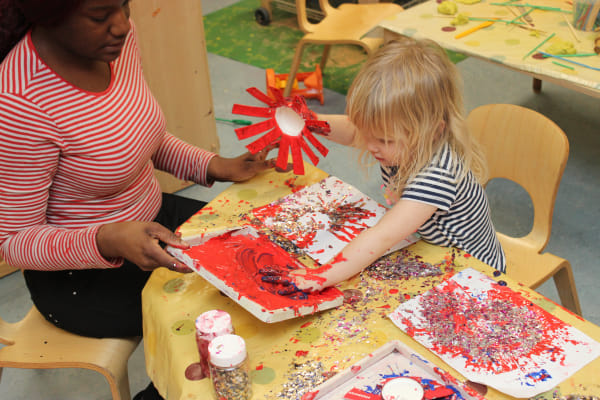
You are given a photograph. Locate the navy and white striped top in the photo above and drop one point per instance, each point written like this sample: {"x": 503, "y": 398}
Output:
{"x": 462, "y": 218}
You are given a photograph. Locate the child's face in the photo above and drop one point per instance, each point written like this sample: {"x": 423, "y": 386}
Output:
{"x": 385, "y": 150}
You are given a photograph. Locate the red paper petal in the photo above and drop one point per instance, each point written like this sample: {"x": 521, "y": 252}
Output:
{"x": 264, "y": 141}
{"x": 313, "y": 140}
{"x": 253, "y": 111}
{"x": 258, "y": 95}
{"x": 297, "y": 156}
{"x": 309, "y": 152}
{"x": 282, "y": 156}
{"x": 246, "y": 131}
{"x": 278, "y": 94}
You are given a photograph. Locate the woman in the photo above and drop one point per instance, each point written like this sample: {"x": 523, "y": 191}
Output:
{"x": 80, "y": 209}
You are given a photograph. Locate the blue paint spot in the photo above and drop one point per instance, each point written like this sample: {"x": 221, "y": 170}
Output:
{"x": 539, "y": 376}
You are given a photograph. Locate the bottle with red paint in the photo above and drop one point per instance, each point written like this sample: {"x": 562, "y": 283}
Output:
{"x": 209, "y": 325}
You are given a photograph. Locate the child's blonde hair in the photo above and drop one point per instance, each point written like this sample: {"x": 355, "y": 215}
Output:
{"x": 410, "y": 92}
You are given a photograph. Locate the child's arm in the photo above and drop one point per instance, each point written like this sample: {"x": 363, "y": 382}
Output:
{"x": 404, "y": 218}
{"x": 342, "y": 130}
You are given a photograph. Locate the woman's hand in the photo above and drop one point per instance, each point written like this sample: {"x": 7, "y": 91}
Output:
{"x": 139, "y": 242}
{"x": 240, "y": 168}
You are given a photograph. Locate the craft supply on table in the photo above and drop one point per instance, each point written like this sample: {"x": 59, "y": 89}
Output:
{"x": 229, "y": 369}
{"x": 321, "y": 219}
{"x": 492, "y": 334}
{"x": 586, "y": 14}
{"x": 231, "y": 262}
{"x": 394, "y": 361}
{"x": 474, "y": 29}
{"x": 402, "y": 389}
{"x": 210, "y": 325}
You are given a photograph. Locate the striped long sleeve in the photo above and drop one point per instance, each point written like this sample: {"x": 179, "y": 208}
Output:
{"x": 72, "y": 160}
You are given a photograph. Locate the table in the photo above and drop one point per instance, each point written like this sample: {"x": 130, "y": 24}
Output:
{"x": 506, "y": 44}
{"x": 328, "y": 342}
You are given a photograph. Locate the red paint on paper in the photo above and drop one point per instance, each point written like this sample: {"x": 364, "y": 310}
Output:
{"x": 236, "y": 259}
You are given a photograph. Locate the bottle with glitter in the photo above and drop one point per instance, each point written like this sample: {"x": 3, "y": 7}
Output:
{"x": 229, "y": 368}
{"x": 210, "y": 325}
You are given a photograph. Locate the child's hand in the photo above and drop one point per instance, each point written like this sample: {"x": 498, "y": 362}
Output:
{"x": 290, "y": 281}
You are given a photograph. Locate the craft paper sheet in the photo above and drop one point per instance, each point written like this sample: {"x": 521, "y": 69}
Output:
{"x": 323, "y": 218}
{"x": 494, "y": 335}
{"x": 230, "y": 261}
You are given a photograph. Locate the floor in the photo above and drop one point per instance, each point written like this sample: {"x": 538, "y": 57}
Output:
{"x": 575, "y": 232}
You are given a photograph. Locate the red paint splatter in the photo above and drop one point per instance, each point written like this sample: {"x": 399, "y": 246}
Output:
{"x": 236, "y": 259}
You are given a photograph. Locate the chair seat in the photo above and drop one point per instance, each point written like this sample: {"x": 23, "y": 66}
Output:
{"x": 35, "y": 343}
{"x": 533, "y": 269}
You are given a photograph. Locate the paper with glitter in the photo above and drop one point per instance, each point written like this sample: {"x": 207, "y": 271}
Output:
{"x": 323, "y": 218}
{"x": 230, "y": 261}
{"x": 494, "y": 335}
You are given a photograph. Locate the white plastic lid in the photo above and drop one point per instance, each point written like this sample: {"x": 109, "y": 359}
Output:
{"x": 214, "y": 322}
{"x": 227, "y": 351}
{"x": 402, "y": 389}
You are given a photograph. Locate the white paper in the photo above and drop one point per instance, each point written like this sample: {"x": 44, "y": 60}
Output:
{"x": 534, "y": 374}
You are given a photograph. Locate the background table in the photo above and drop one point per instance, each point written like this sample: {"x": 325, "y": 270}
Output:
{"x": 328, "y": 342}
{"x": 506, "y": 44}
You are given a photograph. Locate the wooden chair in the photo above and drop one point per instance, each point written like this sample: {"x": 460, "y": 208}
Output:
{"x": 35, "y": 343}
{"x": 526, "y": 147}
{"x": 346, "y": 24}
{"x": 5, "y": 269}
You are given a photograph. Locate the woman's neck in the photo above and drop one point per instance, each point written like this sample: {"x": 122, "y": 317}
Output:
{"x": 87, "y": 74}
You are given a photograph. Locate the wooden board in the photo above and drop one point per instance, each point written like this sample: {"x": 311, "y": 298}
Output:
{"x": 173, "y": 51}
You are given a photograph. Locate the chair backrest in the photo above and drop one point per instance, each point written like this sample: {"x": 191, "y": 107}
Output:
{"x": 528, "y": 148}
{"x": 303, "y": 23}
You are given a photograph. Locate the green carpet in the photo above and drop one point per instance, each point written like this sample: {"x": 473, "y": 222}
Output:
{"x": 232, "y": 32}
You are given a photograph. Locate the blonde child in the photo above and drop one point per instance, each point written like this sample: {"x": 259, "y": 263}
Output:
{"x": 405, "y": 109}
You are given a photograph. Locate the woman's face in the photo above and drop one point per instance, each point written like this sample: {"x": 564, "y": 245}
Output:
{"x": 95, "y": 31}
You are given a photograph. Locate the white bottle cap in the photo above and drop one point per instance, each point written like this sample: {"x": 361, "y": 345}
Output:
{"x": 402, "y": 389}
{"x": 227, "y": 351}
{"x": 214, "y": 322}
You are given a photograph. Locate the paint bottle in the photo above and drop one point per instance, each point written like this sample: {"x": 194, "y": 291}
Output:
{"x": 402, "y": 389}
{"x": 229, "y": 370}
{"x": 210, "y": 325}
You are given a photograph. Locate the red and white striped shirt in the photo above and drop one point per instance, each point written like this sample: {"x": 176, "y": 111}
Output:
{"x": 72, "y": 160}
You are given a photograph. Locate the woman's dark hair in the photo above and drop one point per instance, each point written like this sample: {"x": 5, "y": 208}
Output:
{"x": 17, "y": 16}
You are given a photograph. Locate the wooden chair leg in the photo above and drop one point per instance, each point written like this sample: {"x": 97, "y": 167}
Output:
{"x": 325, "y": 56}
{"x": 565, "y": 284}
{"x": 294, "y": 70}
{"x": 537, "y": 85}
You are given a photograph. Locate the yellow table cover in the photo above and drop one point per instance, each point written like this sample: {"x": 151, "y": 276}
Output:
{"x": 281, "y": 355}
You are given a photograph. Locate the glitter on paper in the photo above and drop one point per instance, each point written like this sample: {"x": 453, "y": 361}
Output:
{"x": 402, "y": 265}
{"x": 490, "y": 334}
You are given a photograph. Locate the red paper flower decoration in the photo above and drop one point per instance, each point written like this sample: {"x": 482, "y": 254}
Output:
{"x": 289, "y": 122}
